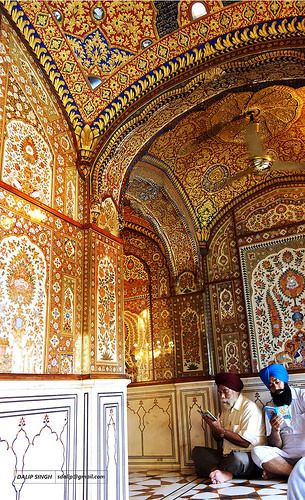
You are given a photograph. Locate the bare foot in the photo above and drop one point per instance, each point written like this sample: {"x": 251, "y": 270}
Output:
{"x": 220, "y": 476}
{"x": 269, "y": 475}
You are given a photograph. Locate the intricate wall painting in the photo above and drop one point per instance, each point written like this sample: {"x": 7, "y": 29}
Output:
{"x": 222, "y": 258}
{"x": 164, "y": 339}
{"x": 231, "y": 341}
{"x": 82, "y": 35}
{"x": 149, "y": 251}
{"x": 39, "y": 156}
{"x": 190, "y": 342}
{"x": 106, "y": 304}
{"x": 149, "y": 338}
{"x": 274, "y": 279}
{"x": 276, "y": 208}
{"x": 186, "y": 283}
{"x": 72, "y": 191}
{"x": 137, "y": 320}
{"x": 108, "y": 219}
{"x": 167, "y": 216}
{"x": 106, "y": 310}
{"x": 23, "y": 305}
{"x": 153, "y": 293}
{"x": 228, "y": 316}
{"x": 27, "y": 161}
{"x": 42, "y": 295}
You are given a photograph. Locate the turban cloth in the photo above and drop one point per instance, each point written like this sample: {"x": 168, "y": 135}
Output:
{"x": 230, "y": 380}
{"x": 276, "y": 371}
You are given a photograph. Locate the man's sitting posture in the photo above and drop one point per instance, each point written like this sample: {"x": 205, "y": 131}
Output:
{"x": 239, "y": 427}
{"x": 286, "y": 437}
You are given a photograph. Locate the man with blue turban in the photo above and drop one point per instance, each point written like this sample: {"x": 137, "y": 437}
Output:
{"x": 285, "y": 425}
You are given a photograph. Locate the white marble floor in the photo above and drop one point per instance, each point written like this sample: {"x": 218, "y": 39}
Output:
{"x": 174, "y": 485}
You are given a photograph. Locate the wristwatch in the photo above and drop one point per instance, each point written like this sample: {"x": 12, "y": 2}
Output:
{"x": 222, "y": 435}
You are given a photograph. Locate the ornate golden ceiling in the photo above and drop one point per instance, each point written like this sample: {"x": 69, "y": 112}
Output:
{"x": 207, "y": 150}
{"x": 173, "y": 112}
{"x": 73, "y": 45}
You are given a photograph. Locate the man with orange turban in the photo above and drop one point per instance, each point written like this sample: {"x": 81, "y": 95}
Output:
{"x": 239, "y": 427}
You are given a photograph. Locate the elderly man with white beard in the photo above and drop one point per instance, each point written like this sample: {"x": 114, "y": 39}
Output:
{"x": 239, "y": 427}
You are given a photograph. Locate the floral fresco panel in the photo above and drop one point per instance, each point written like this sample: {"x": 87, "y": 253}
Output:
{"x": 274, "y": 278}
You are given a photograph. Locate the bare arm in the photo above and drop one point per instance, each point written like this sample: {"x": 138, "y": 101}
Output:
{"x": 219, "y": 433}
{"x": 275, "y": 438}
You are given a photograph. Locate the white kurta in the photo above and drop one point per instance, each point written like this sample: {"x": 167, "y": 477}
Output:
{"x": 292, "y": 433}
{"x": 246, "y": 419}
{"x": 296, "y": 482}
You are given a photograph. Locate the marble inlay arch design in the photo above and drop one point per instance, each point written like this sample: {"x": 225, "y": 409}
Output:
{"x": 143, "y": 247}
{"x": 163, "y": 214}
{"x": 23, "y": 302}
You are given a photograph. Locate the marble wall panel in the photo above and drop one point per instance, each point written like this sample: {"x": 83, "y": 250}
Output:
{"x": 64, "y": 439}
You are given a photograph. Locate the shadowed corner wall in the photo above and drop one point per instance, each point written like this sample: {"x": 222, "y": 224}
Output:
{"x": 175, "y": 345}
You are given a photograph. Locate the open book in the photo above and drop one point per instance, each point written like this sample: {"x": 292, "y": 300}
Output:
{"x": 282, "y": 411}
{"x": 207, "y": 413}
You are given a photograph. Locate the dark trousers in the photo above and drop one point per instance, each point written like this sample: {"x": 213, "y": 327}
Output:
{"x": 239, "y": 463}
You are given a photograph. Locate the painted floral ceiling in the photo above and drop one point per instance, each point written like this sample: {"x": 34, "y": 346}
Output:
{"x": 160, "y": 103}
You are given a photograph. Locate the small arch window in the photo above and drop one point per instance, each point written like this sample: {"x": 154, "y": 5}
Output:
{"x": 94, "y": 81}
{"x": 58, "y": 16}
{"x": 146, "y": 43}
{"x": 198, "y": 10}
{"x": 98, "y": 13}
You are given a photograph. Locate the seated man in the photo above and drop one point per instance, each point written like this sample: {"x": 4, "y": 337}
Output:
{"x": 239, "y": 427}
{"x": 286, "y": 437}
